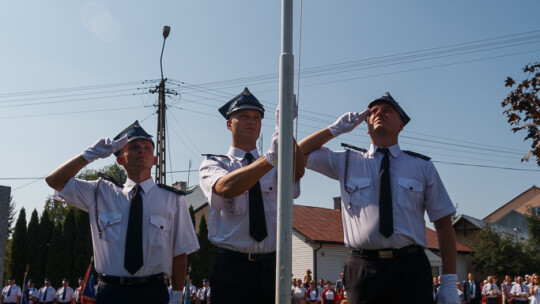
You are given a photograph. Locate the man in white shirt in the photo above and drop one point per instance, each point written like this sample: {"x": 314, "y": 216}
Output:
{"x": 65, "y": 294}
{"x": 203, "y": 294}
{"x": 11, "y": 293}
{"x": 385, "y": 193}
{"x": 141, "y": 231}
{"x": 241, "y": 188}
{"x": 520, "y": 292}
{"x": 47, "y": 293}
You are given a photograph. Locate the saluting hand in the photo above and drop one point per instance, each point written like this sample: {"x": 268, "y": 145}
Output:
{"x": 347, "y": 122}
{"x": 103, "y": 148}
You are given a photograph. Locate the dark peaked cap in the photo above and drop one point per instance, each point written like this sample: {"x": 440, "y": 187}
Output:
{"x": 133, "y": 131}
{"x": 244, "y": 100}
{"x": 389, "y": 99}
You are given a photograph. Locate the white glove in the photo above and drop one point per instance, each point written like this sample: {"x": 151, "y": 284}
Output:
{"x": 103, "y": 148}
{"x": 295, "y": 112}
{"x": 448, "y": 290}
{"x": 347, "y": 122}
{"x": 175, "y": 297}
{"x": 272, "y": 154}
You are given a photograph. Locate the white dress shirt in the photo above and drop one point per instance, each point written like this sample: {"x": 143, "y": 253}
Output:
{"x": 228, "y": 221}
{"x": 517, "y": 290}
{"x": 14, "y": 292}
{"x": 416, "y": 189}
{"x": 49, "y": 297}
{"x": 69, "y": 294}
{"x": 167, "y": 227}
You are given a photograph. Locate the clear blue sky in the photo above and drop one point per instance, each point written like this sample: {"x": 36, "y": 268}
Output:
{"x": 74, "y": 72}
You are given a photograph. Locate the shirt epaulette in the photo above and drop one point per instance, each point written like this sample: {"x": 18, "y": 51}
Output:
{"x": 110, "y": 179}
{"x": 353, "y": 147}
{"x": 417, "y": 155}
{"x": 214, "y": 155}
{"x": 172, "y": 189}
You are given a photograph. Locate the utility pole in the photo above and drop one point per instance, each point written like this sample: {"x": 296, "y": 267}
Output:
{"x": 161, "y": 126}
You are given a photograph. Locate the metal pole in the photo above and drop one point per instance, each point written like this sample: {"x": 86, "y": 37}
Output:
{"x": 162, "y": 107}
{"x": 5, "y": 193}
{"x": 285, "y": 156}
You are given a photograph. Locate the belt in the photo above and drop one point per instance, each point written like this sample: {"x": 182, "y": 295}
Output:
{"x": 252, "y": 257}
{"x": 388, "y": 253}
{"x": 131, "y": 280}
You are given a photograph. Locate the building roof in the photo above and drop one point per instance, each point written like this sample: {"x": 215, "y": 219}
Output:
{"x": 195, "y": 197}
{"x": 499, "y": 229}
{"x": 433, "y": 242}
{"x": 321, "y": 225}
{"x": 533, "y": 188}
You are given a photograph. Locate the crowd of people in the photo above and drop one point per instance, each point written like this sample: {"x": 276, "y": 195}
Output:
{"x": 512, "y": 290}
{"x": 309, "y": 291}
{"x": 47, "y": 294}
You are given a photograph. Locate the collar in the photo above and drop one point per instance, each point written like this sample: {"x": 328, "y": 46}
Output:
{"x": 239, "y": 154}
{"x": 395, "y": 150}
{"x": 145, "y": 185}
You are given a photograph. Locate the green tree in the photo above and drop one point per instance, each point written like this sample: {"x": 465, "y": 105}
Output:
{"x": 68, "y": 242}
{"x": 32, "y": 245}
{"x": 499, "y": 255}
{"x": 16, "y": 265}
{"x": 533, "y": 227}
{"x": 204, "y": 256}
{"x": 115, "y": 171}
{"x": 82, "y": 250}
{"x": 522, "y": 107}
{"x": 46, "y": 227}
{"x": 55, "y": 257}
{"x": 192, "y": 259}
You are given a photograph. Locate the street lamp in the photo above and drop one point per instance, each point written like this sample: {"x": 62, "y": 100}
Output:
{"x": 516, "y": 231}
{"x": 166, "y": 31}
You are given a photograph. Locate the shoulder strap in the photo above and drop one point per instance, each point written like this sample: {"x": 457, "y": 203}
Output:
{"x": 172, "y": 189}
{"x": 110, "y": 179}
{"x": 411, "y": 153}
{"x": 353, "y": 147}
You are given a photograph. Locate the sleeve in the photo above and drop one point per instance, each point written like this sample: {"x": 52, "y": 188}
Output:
{"x": 437, "y": 201}
{"x": 185, "y": 238}
{"x": 209, "y": 173}
{"x": 324, "y": 161}
{"x": 79, "y": 193}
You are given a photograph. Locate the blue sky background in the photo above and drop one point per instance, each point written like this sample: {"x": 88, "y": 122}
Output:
{"x": 77, "y": 71}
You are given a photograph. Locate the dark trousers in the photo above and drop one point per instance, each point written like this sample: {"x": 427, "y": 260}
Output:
{"x": 114, "y": 293}
{"x": 403, "y": 279}
{"x": 238, "y": 280}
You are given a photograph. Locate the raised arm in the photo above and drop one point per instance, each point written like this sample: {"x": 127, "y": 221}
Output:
{"x": 101, "y": 149}
{"x": 346, "y": 123}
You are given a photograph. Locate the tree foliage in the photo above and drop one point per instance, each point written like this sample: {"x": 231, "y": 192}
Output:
{"x": 32, "y": 245}
{"x": 501, "y": 254}
{"x": 203, "y": 258}
{"x": 16, "y": 266}
{"x": 522, "y": 107}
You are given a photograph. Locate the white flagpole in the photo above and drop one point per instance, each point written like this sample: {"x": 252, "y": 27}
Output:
{"x": 285, "y": 156}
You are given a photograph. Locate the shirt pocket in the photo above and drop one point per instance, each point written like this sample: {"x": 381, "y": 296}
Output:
{"x": 357, "y": 194}
{"x": 110, "y": 225}
{"x": 269, "y": 191}
{"x": 159, "y": 230}
{"x": 410, "y": 192}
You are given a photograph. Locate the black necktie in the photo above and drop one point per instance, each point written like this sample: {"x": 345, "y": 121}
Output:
{"x": 45, "y": 294}
{"x": 133, "y": 257}
{"x": 257, "y": 220}
{"x": 9, "y": 290}
{"x": 64, "y": 294}
{"x": 386, "y": 226}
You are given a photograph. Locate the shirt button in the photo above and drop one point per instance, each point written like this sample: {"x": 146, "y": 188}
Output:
{"x": 270, "y": 188}
{"x": 160, "y": 227}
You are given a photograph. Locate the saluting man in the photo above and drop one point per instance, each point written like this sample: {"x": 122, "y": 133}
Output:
{"x": 384, "y": 194}
{"x": 65, "y": 293}
{"x": 241, "y": 188}
{"x": 141, "y": 231}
